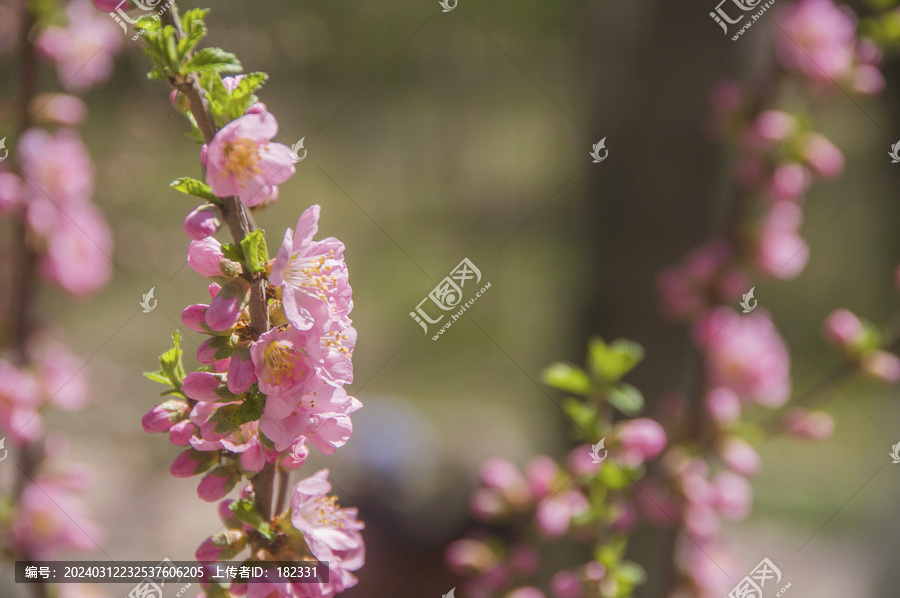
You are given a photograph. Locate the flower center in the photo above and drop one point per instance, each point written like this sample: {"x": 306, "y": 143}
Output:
{"x": 241, "y": 157}
{"x": 310, "y": 274}
{"x": 324, "y": 511}
{"x": 279, "y": 358}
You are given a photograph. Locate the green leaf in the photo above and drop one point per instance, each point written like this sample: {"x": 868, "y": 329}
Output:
{"x": 194, "y": 30}
{"x": 194, "y": 187}
{"x": 614, "y": 478}
{"x": 214, "y": 60}
{"x": 567, "y": 377}
{"x": 584, "y": 415}
{"x": 608, "y": 363}
{"x": 233, "y": 252}
{"x": 228, "y": 418}
{"x": 246, "y": 512}
{"x": 626, "y": 398}
{"x": 171, "y": 370}
{"x": 255, "y": 252}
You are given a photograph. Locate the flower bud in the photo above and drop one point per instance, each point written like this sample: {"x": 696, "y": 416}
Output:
{"x": 194, "y": 317}
{"x": 467, "y": 556}
{"x": 218, "y": 483}
{"x": 224, "y": 546}
{"x": 162, "y": 417}
{"x": 881, "y": 365}
{"x": 640, "y": 439}
{"x": 225, "y": 309}
{"x": 739, "y": 456}
{"x": 193, "y": 462}
{"x": 241, "y": 372}
{"x": 844, "y": 330}
{"x": 526, "y": 592}
{"x": 733, "y": 495}
{"x": 723, "y": 405}
{"x": 808, "y": 425}
{"x": 204, "y": 256}
{"x": 203, "y": 221}
{"x": 201, "y": 386}
{"x": 823, "y": 157}
{"x": 566, "y": 584}
{"x": 180, "y": 434}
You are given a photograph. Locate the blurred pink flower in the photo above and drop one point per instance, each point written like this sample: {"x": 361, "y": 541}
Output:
{"x": 723, "y": 405}
{"x": 746, "y": 354}
{"x": 565, "y": 584}
{"x": 781, "y": 252}
{"x": 823, "y": 157}
{"x": 817, "y": 38}
{"x": 78, "y": 250}
{"x": 57, "y": 169}
{"x": 19, "y": 400}
{"x": 808, "y": 425}
{"x": 740, "y": 457}
{"x": 843, "y": 329}
{"x": 242, "y": 161}
{"x": 639, "y": 440}
{"x": 84, "y": 50}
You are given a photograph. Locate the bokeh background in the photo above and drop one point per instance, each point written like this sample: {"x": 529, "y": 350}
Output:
{"x": 437, "y": 136}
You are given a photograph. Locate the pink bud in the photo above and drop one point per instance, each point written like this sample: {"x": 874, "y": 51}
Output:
{"x": 225, "y": 309}
{"x": 566, "y": 584}
{"x": 221, "y": 547}
{"x": 59, "y": 108}
{"x": 206, "y": 352}
{"x": 241, "y": 372}
{"x": 201, "y": 386}
{"x": 180, "y": 434}
{"x": 192, "y": 462}
{"x": 194, "y": 317}
{"x": 10, "y": 191}
{"x": 723, "y": 405}
{"x": 217, "y": 484}
{"x": 881, "y": 365}
{"x": 204, "y": 256}
{"x": 467, "y": 556}
{"x": 501, "y": 474}
{"x": 594, "y": 571}
{"x": 641, "y": 440}
{"x": 772, "y": 126}
{"x": 868, "y": 80}
{"x": 808, "y": 425}
{"x": 733, "y": 495}
{"x": 739, "y": 456}
{"x": 843, "y": 329}
{"x": 526, "y": 592}
{"x": 162, "y": 417}
{"x": 487, "y": 504}
{"x": 202, "y": 222}
{"x": 823, "y": 156}
{"x": 540, "y": 474}
{"x": 789, "y": 182}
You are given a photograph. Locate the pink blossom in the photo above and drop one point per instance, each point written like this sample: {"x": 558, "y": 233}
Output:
{"x": 19, "y": 401}
{"x": 789, "y": 182}
{"x": 541, "y": 475}
{"x": 60, "y": 109}
{"x": 227, "y": 307}
{"x": 78, "y": 250}
{"x": 817, "y": 38}
{"x": 203, "y": 221}
{"x": 205, "y": 256}
{"x": 740, "y": 457}
{"x": 331, "y": 532}
{"x": 328, "y": 432}
{"x": 705, "y": 275}
{"x": 881, "y": 365}
{"x": 843, "y": 329}
{"x": 165, "y": 415}
{"x": 769, "y": 128}
{"x": 746, "y": 354}
{"x": 554, "y": 515}
{"x": 723, "y": 405}
{"x": 734, "y": 495}
{"x": 283, "y": 369}
{"x": 565, "y": 584}
{"x": 241, "y": 372}
{"x": 217, "y": 483}
{"x": 62, "y": 377}
{"x": 526, "y": 592}
{"x": 84, "y": 50}
{"x": 192, "y": 462}
{"x": 868, "y": 80}
{"x": 781, "y": 252}
{"x": 468, "y": 556}
{"x": 639, "y": 440}
{"x": 11, "y": 192}
{"x": 823, "y": 156}
{"x": 312, "y": 274}
{"x": 809, "y": 425}
{"x": 57, "y": 168}
{"x": 50, "y": 519}
{"x": 194, "y": 317}
{"x": 201, "y": 386}
{"x": 242, "y": 161}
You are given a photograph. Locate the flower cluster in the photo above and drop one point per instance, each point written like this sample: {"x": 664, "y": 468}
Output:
{"x": 280, "y": 346}
{"x": 62, "y": 239}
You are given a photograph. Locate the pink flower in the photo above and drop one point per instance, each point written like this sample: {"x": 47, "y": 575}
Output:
{"x": 312, "y": 274}
{"x": 734, "y": 496}
{"x": 769, "y": 128}
{"x": 554, "y": 515}
{"x": 332, "y": 533}
{"x": 526, "y": 592}
{"x": 165, "y": 415}
{"x": 57, "y": 168}
{"x": 817, "y": 38}
{"x": 60, "y": 109}
{"x": 217, "y": 483}
{"x": 705, "y": 275}
{"x": 202, "y": 222}
{"x": 789, "y": 182}
{"x": 566, "y": 584}
{"x": 639, "y": 440}
{"x": 467, "y": 556}
{"x": 84, "y": 49}
{"x": 843, "y": 329}
{"x": 227, "y": 307}
{"x": 746, "y": 354}
{"x": 205, "y": 256}
{"x": 62, "y": 378}
{"x": 19, "y": 401}
{"x": 328, "y": 432}
{"x": 723, "y": 405}
{"x": 740, "y": 457}
{"x": 283, "y": 369}
{"x": 809, "y": 425}
{"x": 50, "y": 519}
{"x": 201, "y": 386}
{"x": 881, "y": 365}
{"x": 781, "y": 251}
{"x": 77, "y": 257}
{"x": 242, "y": 161}
{"x": 823, "y": 156}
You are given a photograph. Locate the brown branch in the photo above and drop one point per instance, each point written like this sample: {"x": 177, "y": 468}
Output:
{"x": 240, "y": 224}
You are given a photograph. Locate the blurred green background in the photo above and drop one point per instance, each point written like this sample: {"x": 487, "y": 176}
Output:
{"x": 437, "y": 136}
